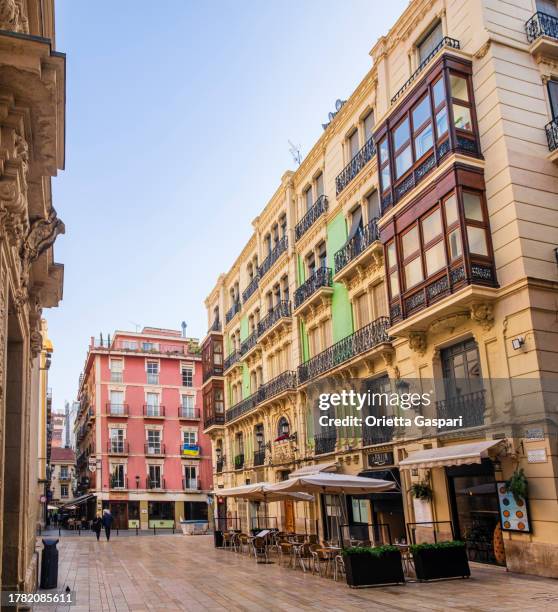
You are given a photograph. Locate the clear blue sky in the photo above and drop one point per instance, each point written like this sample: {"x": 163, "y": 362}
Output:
{"x": 177, "y": 121}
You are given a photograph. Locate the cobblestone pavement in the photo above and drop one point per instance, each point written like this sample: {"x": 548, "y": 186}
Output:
{"x": 175, "y": 572}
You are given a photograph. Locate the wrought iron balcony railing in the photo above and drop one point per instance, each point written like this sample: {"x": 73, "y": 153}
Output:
{"x": 445, "y": 42}
{"x": 230, "y": 360}
{"x": 155, "y": 483}
{"x": 154, "y": 449}
{"x": 239, "y": 462}
{"x": 213, "y": 369}
{"x": 314, "y": 213}
{"x": 118, "y": 483}
{"x": 552, "y": 134}
{"x": 355, "y": 165}
{"x": 324, "y": 443}
{"x": 280, "y": 310}
{"x": 117, "y": 409}
{"x": 278, "y": 249}
{"x": 259, "y": 457}
{"x": 117, "y": 447}
{"x": 541, "y": 24}
{"x": 470, "y": 406}
{"x": 252, "y": 286}
{"x": 377, "y": 434}
{"x": 357, "y": 245}
{"x": 322, "y": 277}
{"x": 153, "y": 411}
{"x": 191, "y": 484}
{"x": 215, "y": 419}
{"x": 232, "y": 311}
{"x": 284, "y": 382}
{"x": 187, "y": 413}
{"x": 249, "y": 343}
{"x": 364, "y": 339}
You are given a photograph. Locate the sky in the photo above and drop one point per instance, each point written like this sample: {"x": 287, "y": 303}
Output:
{"x": 178, "y": 117}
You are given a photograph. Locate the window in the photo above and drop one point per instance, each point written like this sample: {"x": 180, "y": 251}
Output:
{"x": 219, "y": 399}
{"x": 64, "y": 472}
{"x": 308, "y": 198}
{"x": 380, "y": 306}
{"x": 64, "y": 490}
{"x": 117, "y": 402}
{"x": 283, "y": 225}
{"x": 383, "y": 154}
{"x": 118, "y": 478}
{"x": 116, "y": 440}
{"x": 187, "y": 375}
{"x": 149, "y": 346}
{"x": 283, "y": 427}
{"x": 476, "y": 237}
{"x": 190, "y": 477}
{"x": 116, "y": 366}
{"x": 152, "y": 406}
{"x": 368, "y": 125}
{"x": 353, "y": 144}
{"x": 433, "y": 38}
{"x": 476, "y": 228}
{"x": 553, "y": 96}
{"x": 461, "y": 369}
{"x": 152, "y": 368}
{"x": 154, "y": 477}
{"x": 187, "y": 406}
{"x": 130, "y": 345}
{"x": 392, "y": 268}
{"x": 402, "y": 148}
{"x": 373, "y": 206}
{"x": 285, "y": 288}
{"x": 460, "y": 103}
{"x": 412, "y": 265}
{"x": 311, "y": 264}
{"x": 322, "y": 255}
{"x": 360, "y": 510}
{"x": 190, "y": 436}
{"x": 153, "y": 442}
{"x": 361, "y": 310}
{"x": 422, "y": 127}
{"x": 319, "y": 185}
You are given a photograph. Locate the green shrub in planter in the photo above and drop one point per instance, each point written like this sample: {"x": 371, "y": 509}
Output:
{"x": 367, "y": 566}
{"x": 440, "y": 560}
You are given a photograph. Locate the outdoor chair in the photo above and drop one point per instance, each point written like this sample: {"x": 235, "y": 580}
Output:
{"x": 227, "y": 539}
{"x": 303, "y": 554}
{"x": 260, "y": 549}
{"x": 319, "y": 559}
{"x": 285, "y": 553}
{"x": 338, "y": 567}
{"x": 244, "y": 543}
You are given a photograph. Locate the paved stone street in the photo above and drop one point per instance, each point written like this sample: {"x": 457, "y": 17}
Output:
{"x": 167, "y": 572}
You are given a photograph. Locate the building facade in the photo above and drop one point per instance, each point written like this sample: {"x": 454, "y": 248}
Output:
{"x": 44, "y": 435}
{"x": 62, "y": 475}
{"x": 140, "y": 449}
{"x": 58, "y": 423}
{"x": 415, "y": 246}
{"x": 32, "y": 128}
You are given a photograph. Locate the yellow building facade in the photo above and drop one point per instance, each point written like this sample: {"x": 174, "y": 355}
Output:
{"x": 413, "y": 249}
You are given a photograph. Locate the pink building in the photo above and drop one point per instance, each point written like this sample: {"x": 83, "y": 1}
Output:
{"x": 140, "y": 449}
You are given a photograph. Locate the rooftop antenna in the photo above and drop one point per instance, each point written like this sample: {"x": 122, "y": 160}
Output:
{"x": 136, "y": 325}
{"x": 184, "y": 326}
{"x": 294, "y": 150}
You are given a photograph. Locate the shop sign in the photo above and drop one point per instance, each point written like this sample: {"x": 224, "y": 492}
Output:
{"x": 514, "y": 515}
{"x": 537, "y": 455}
{"x": 536, "y": 434}
{"x": 385, "y": 458}
{"x": 92, "y": 463}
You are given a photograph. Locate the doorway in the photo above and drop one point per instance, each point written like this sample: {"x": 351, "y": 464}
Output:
{"x": 474, "y": 504}
{"x": 119, "y": 511}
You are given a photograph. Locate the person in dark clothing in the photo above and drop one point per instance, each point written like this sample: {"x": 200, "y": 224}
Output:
{"x": 97, "y": 526}
{"x": 107, "y": 522}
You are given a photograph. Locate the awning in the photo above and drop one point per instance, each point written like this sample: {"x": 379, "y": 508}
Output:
{"x": 323, "y": 482}
{"x": 261, "y": 491}
{"x": 458, "y": 454}
{"x": 315, "y": 469}
{"x": 78, "y": 500}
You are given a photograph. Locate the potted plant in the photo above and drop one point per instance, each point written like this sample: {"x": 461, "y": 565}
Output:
{"x": 440, "y": 560}
{"x": 517, "y": 485}
{"x": 421, "y": 490}
{"x": 367, "y": 566}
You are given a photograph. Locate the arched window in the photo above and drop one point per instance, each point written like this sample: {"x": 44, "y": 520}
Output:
{"x": 283, "y": 428}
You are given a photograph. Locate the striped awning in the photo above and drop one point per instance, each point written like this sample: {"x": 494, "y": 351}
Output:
{"x": 457, "y": 454}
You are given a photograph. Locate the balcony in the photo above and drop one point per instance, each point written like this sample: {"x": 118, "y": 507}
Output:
{"x": 276, "y": 252}
{"x": 239, "y": 462}
{"x": 219, "y": 466}
{"x": 214, "y": 369}
{"x": 286, "y": 381}
{"x": 252, "y": 286}
{"x": 259, "y": 458}
{"x": 153, "y": 412}
{"x": 542, "y": 34}
{"x": 356, "y": 255}
{"x": 280, "y": 312}
{"x": 552, "y": 139}
{"x": 117, "y": 410}
{"x": 231, "y": 360}
{"x": 314, "y": 213}
{"x": 154, "y": 450}
{"x": 118, "y": 483}
{"x": 155, "y": 483}
{"x": 356, "y": 164}
{"x": 445, "y": 42}
{"x": 470, "y": 406}
{"x": 366, "y": 338}
{"x": 117, "y": 447}
{"x": 317, "y": 288}
{"x": 188, "y": 414}
{"x": 249, "y": 344}
{"x": 324, "y": 443}
{"x": 215, "y": 326}
{"x": 235, "y": 308}
{"x": 214, "y": 420}
{"x": 191, "y": 484}
{"x": 189, "y": 450}
{"x": 380, "y": 434}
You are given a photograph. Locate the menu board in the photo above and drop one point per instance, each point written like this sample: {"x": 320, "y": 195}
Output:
{"x": 514, "y": 515}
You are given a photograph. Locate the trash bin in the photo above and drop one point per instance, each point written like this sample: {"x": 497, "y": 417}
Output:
{"x": 49, "y": 564}
{"x": 218, "y": 538}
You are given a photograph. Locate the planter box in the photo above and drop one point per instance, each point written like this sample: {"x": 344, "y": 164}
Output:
{"x": 433, "y": 563}
{"x": 364, "y": 569}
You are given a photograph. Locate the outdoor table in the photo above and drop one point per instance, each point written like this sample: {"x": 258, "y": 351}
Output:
{"x": 330, "y": 552}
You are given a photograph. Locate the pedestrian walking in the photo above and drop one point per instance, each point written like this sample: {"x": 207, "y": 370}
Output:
{"x": 107, "y": 522}
{"x": 97, "y": 525}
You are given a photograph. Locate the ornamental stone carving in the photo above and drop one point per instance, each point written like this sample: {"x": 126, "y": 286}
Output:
{"x": 449, "y": 323}
{"x": 417, "y": 342}
{"x": 13, "y": 17}
{"x": 35, "y": 342}
{"x": 483, "y": 314}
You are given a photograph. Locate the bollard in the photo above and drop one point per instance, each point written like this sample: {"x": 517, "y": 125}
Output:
{"x": 137, "y": 533}
{"x": 49, "y": 564}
